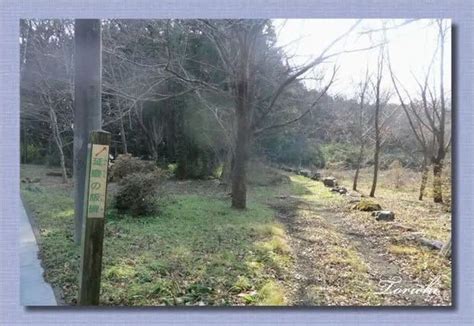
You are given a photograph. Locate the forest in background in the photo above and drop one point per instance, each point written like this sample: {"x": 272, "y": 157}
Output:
{"x": 170, "y": 95}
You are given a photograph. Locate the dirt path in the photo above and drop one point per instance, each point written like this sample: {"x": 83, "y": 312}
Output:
{"x": 313, "y": 274}
{"x": 380, "y": 265}
{"x": 303, "y": 248}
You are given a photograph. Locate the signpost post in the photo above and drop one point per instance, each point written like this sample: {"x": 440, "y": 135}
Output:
{"x": 95, "y": 195}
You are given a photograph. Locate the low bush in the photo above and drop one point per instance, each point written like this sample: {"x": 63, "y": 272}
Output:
{"x": 340, "y": 156}
{"x": 33, "y": 154}
{"x": 288, "y": 148}
{"x": 137, "y": 193}
{"x": 126, "y": 164}
{"x": 367, "y": 206}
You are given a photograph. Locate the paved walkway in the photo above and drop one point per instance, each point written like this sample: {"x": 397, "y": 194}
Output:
{"x": 34, "y": 291}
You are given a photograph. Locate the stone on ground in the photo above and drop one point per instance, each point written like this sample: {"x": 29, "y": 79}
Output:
{"x": 330, "y": 182}
{"x": 316, "y": 176}
{"x": 340, "y": 190}
{"x": 384, "y": 215}
{"x": 432, "y": 244}
{"x": 305, "y": 173}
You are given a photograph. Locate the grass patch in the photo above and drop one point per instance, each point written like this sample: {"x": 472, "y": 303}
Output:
{"x": 271, "y": 294}
{"x": 195, "y": 252}
{"x": 348, "y": 257}
{"x": 314, "y": 192}
{"x": 402, "y": 250}
{"x": 276, "y": 244}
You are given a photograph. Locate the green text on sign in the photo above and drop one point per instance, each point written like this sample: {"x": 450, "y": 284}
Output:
{"x": 98, "y": 181}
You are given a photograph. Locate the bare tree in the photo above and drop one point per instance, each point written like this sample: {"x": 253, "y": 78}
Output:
{"x": 133, "y": 77}
{"x": 381, "y": 100}
{"x": 237, "y": 45}
{"x": 438, "y": 120}
{"x": 361, "y": 129}
{"x": 423, "y": 135}
{"x": 427, "y": 117}
{"x": 46, "y": 84}
{"x": 152, "y": 130}
{"x": 241, "y": 51}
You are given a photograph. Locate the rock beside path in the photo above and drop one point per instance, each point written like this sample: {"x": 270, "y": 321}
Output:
{"x": 305, "y": 173}
{"x": 316, "y": 176}
{"x": 432, "y": 244}
{"x": 384, "y": 215}
{"x": 418, "y": 238}
{"x": 330, "y": 182}
{"x": 340, "y": 190}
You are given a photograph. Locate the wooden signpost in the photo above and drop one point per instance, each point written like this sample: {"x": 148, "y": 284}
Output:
{"x": 95, "y": 195}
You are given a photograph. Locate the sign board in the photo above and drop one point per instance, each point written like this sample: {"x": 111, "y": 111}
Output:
{"x": 97, "y": 181}
{"x": 93, "y": 218}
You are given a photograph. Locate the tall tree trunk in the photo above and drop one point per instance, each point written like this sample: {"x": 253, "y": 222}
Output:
{"x": 239, "y": 170}
{"x": 424, "y": 177}
{"x": 87, "y": 104}
{"x": 376, "y": 170}
{"x": 377, "y": 123}
{"x": 376, "y": 151}
{"x": 59, "y": 143}
{"x": 154, "y": 152}
{"x": 437, "y": 182}
{"x": 359, "y": 163}
{"x": 441, "y": 153}
{"x": 243, "y": 114}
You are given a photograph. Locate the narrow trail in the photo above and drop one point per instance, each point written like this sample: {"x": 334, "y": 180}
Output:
{"x": 303, "y": 220}
{"x": 305, "y": 272}
{"x": 380, "y": 267}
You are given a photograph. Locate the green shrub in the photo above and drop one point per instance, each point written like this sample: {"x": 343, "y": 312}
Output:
{"x": 367, "y": 206}
{"x": 293, "y": 150}
{"x": 34, "y": 154}
{"x": 340, "y": 155}
{"x": 126, "y": 164}
{"x": 137, "y": 193}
